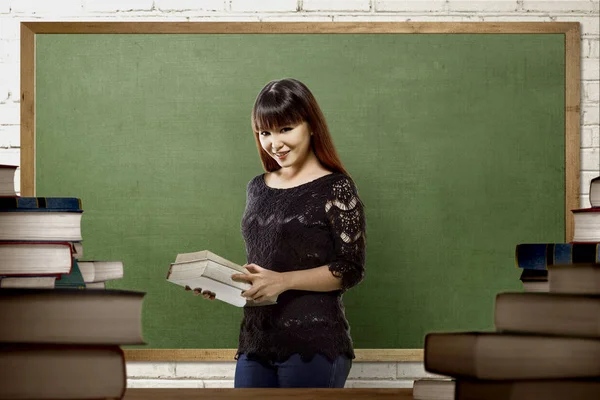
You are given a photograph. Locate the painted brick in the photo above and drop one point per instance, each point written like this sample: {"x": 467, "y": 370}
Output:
{"x": 590, "y": 136}
{"x": 10, "y": 28}
{"x": 589, "y": 159}
{"x": 590, "y": 114}
{"x": 205, "y": 370}
{"x": 150, "y": 370}
{"x": 116, "y": 5}
{"x": 227, "y": 18}
{"x": 590, "y": 69}
{"x": 10, "y": 136}
{"x": 9, "y": 81}
{"x": 554, "y": 6}
{"x": 584, "y": 181}
{"x": 297, "y": 18}
{"x": 382, "y": 17}
{"x": 588, "y": 24}
{"x": 218, "y": 384}
{"x": 373, "y": 370}
{"x": 383, "y": 384}
{"x": 410, "y": 6}
{"x": 590, "y": 91}
{"x": 483, "y": 6}
{"x": 4, "y": 6}
{"x": 164, "y": 383}
{"x": 10, "y": 156}
{"x": 584, "y": 202}
{"x": 336, "y": 5}
{"x": 40, "y": 7}
{"x": 413, "y": 370}
{"x": 10, "y": 113}
{"x": 181, "y": 5}
{"x": 591, "y": 48}
{"x": 264, "y": 6}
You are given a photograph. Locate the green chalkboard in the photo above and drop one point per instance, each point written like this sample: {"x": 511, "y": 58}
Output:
{"x": 455, "y": 141}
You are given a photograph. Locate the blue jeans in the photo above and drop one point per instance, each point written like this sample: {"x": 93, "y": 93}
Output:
{"x": 292, "y": 373}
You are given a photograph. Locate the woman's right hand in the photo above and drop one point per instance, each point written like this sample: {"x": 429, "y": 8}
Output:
{"x": 207, "y": 294}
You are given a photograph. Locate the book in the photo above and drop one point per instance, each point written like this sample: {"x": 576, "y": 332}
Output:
{"x": 71, "y": 316}
{"x": 595, "y": 192}
{"x": 40, "y": 218}
{"x": 548, "y": 313}
{"x": 586, "y": 224}
{"x": 208, "y": 271}
{"x": 502, "y": 356}
{"x": 35, "y": 258}
{"x": 52, "y": 371}
{"x": 95, "y": 285}
{"x": 100, "y": 271}
{"x": 535, "y": 280}
{"x": 72, "y": 280}
{"x": 27, "y": 282}
{"x": 433, "y": 389}
{"x": 536, "y": 286}
{"x": 574, "y": 278}
{"x": 554, "y": 389}
{"x": 7, "y": 180}
{"x": 540, "y": 255}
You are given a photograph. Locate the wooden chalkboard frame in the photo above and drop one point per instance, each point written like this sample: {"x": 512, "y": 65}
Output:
{"x": 571, "y": 31}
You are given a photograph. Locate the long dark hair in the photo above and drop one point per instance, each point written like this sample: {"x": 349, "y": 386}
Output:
{"x": 286, "y": 102}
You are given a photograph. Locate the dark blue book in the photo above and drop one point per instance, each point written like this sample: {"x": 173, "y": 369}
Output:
{"x": 72, "y": 280}
{"x": 539, "y": 256}
{"x": 40, "y": 204}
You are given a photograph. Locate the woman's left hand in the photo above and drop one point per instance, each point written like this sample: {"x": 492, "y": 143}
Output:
{"x": 266, "y": 284}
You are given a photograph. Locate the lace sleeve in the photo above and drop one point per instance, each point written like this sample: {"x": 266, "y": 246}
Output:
{"x": 345, "y": 215}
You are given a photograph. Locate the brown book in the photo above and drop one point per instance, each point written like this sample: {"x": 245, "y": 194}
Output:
{"x": 71, "y": 316}
{"x": 574, "y": 278}
{"x": 499, "y": 356}
{"x": 548, "y": 313}
{"x": 536, "y": 286}
{"x": 560, "y": 389}
{"x": 61, "y": 371}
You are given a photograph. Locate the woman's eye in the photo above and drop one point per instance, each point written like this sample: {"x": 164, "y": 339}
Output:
{"x": 264, "y": 133}
{"x": 286, "y": 129}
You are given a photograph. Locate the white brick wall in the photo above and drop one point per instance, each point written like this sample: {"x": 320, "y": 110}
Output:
{"x": 363, "y": 374}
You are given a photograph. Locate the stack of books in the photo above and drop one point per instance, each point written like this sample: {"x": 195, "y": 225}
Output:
{"x": 41, "y": 242}
{"x": 534, "y": 258}
{"x": 546, "y": 345}
{"x": 56, "y": 342}
{"x": 205, "y": 270}
{"x": 65, "y": 344}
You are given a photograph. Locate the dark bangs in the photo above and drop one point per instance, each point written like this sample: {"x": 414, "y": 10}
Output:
{"x": 272, "y": 111}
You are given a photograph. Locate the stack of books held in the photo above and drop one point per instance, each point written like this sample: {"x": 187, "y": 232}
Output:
{"x": 546, "y": 345}
{"x": 41, "y": 243}
{"x": 57, "y": 342}
{"x": 534, "y": 258}
{"x": 205, "y": 270}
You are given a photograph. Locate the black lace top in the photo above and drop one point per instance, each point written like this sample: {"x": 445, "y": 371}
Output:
{"x": 317, "y": 223}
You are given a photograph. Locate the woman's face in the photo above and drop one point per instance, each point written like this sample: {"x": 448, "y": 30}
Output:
{"x": 288, "y": 145}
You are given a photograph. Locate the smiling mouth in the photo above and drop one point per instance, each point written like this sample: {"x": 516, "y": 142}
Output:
{"x": 281, "y": 155}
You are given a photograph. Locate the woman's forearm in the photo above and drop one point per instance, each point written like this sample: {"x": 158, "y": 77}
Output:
{"x": 319, "y": 279}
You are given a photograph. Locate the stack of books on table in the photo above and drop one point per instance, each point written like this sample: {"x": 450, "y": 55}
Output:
{"x": 41, "y": 242}
{"x": 534, "y": 258}
{"x": 65, "y": 344}
{"x": 546, "y": 345}
{"x": 204, "y": 270}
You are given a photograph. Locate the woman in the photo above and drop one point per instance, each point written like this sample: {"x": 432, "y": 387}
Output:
{"x": 304, "y": 230}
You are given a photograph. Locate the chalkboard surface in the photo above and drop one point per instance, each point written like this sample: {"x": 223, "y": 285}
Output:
{"x": 456, "y": 142}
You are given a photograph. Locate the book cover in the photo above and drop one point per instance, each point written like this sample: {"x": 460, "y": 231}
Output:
{"x": 40, "y": 204}
{"x": 541, "y": 255}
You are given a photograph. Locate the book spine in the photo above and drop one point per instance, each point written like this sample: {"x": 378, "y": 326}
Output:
{"x": 40, "y": 204}
{"x": 540, "y": 255}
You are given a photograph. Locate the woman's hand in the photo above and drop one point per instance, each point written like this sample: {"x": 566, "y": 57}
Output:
{"x": 207, "y": 294}
{"x": 266, "y": 284}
